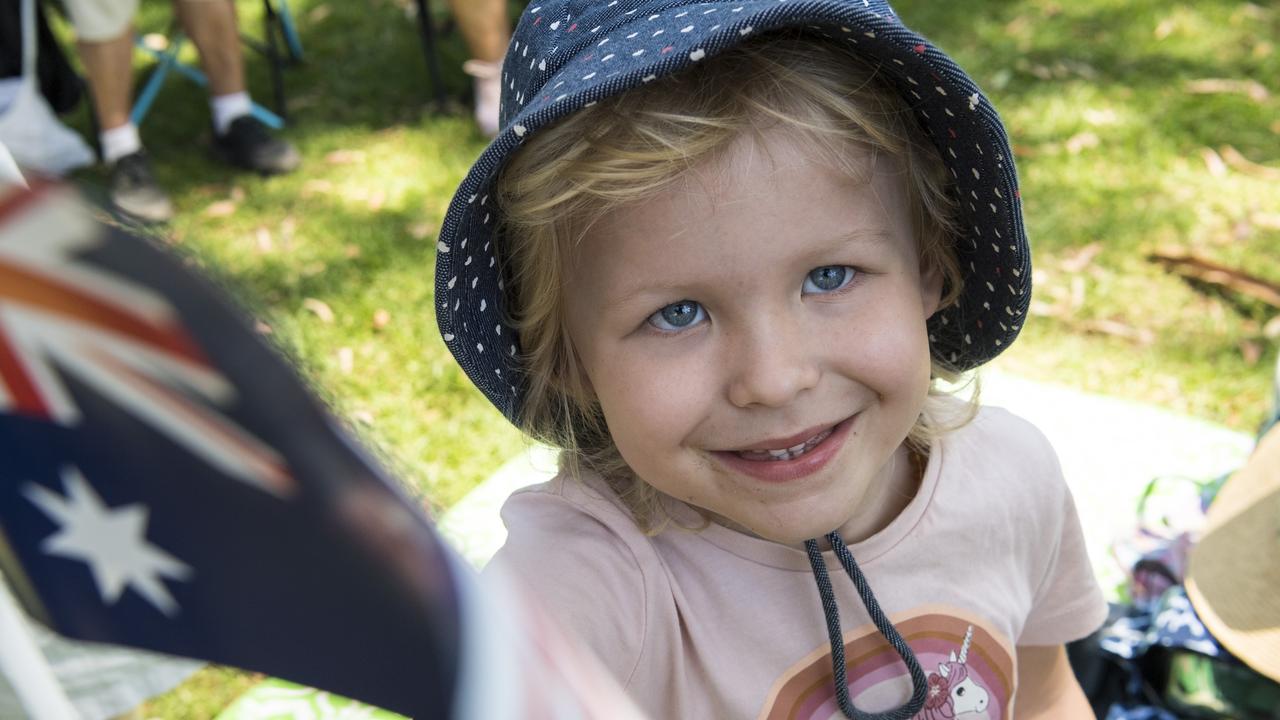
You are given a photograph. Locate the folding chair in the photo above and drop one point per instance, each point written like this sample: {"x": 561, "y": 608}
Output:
{"x": 278, "y": 28}
{"x": 427, "y": 34}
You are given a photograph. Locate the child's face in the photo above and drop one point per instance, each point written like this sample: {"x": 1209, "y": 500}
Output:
{"x": 764, "y": 302}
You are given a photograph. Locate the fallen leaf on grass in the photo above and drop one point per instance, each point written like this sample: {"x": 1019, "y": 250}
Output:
{"x": 351, "y": 251}
{"x": 1104, "y": 116}
{"x": 319, "y": 13}
{"x": 419, "y": 231}
{"x": 1018, "y": 25}
{"x": 1271, "y": 330}
{"x": 1077, "y": 292}
{"x": 346, "y": 360}
{"x": 380, "y": 318}
{"x": 263, "y": 238}
{"x": 319, "y": 308}
{"x": 1082, "y": 141}
{"x": 1165, "y": 28}
{"x": 1082, "y": 258}
{"x": 363, "y": 416}
{"x": 1115, "y": 328}
{"x": 1213, "y": 161}
{"x": 1040, "y": 308}
{"x": 301, "y": 102}
{"x": 222, "y": 208}
{"x": 1067, "y": 315}
{"x": 1251, "y": 351}
{"x": 344, "y": 157}
{"x": 377, "y": 199}
{"x": 1024, "y": 151}
{"x": 262, "y": 328}
{"x": 316, "y": 187}
{"x": 1243, "y": 164}
{"x": 1251, "y": 89}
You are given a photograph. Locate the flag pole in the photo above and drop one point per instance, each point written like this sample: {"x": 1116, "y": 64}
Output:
{"x": 25, "y": 667}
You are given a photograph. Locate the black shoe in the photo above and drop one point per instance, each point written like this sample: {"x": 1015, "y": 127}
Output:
{"x": 134, "y": 191}
{"x": 248, "y": 144}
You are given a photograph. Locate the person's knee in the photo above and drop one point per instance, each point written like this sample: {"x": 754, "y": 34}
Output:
{"x": 100, "y": 20}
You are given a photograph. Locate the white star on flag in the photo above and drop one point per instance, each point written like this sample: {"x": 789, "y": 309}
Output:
{"x": 111, "y": 541}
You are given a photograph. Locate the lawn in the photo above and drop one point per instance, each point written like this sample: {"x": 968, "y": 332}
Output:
{"x": 1139, "y": 127}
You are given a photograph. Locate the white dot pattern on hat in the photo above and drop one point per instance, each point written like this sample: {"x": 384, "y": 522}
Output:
{"x": 568, "y": 54}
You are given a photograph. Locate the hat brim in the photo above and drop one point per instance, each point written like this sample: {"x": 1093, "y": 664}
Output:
{"x": 1233, "y": 575}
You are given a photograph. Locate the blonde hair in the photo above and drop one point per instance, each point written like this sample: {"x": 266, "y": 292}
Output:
{"x": 633, "y": 146}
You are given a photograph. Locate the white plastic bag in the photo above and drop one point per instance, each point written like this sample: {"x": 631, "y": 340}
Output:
{"x": 28, "y": 127}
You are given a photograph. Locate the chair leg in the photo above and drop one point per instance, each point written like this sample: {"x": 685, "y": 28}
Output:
{"x": 166, "y": 61}
{"x": 293, "y": 43}
{"x": 426, "y": 30}
{"x": 270, "y": 21}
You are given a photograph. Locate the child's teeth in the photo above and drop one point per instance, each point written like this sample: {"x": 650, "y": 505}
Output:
{"x": 788, "y": 453}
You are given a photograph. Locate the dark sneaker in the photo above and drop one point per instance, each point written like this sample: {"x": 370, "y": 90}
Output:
{"x": 134, "y": 191}
{"x": 250, "y": 145}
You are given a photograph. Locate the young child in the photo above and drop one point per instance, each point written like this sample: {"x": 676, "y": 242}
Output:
{"x": 720, "y": 254}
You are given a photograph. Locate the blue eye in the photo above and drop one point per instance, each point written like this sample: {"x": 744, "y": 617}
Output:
{"x": 677, "y": 316}
{"x": 827, "y": 279}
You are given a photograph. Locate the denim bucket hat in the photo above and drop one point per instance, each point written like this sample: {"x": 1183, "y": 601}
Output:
{"x": 567, "y": 54}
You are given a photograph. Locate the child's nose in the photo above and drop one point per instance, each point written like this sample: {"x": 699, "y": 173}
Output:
{"x": 771, "y": 366}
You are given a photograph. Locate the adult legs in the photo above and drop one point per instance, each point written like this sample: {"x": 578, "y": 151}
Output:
{"x": 108, "y": 66}
{"x": 239, "y": 138}
{"x": 104, "y": 32}
{"x": 211, "y": 25}
{"x": 484, "y": 27}
{"x": 487, "y": 31}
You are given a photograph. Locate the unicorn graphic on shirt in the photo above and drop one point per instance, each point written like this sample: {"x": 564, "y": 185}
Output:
{"x": 952, "y": 692}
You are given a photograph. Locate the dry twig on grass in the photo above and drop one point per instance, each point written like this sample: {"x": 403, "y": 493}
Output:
{"x": 1192, "y": 266}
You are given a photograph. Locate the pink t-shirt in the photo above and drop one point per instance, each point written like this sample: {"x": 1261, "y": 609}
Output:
{"x": 715, "y": 623}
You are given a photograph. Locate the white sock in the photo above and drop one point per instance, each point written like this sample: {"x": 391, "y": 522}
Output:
{"x": 226, "y": 108}
{"x": 119, "y": 141}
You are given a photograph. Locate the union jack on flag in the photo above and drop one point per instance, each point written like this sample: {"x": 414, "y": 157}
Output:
{"x": 167, "y": 482}
{"x": 151, "y": 450}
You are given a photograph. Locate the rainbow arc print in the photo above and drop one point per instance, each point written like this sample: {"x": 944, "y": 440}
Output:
{"x": 969, "y": 670}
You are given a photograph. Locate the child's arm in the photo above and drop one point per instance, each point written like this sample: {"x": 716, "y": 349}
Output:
{"x": 1047, "y": 687}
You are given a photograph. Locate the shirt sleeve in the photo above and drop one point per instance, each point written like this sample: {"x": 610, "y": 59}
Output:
{"x": 1067, "y": 604}
{"x": 587, "y": 577}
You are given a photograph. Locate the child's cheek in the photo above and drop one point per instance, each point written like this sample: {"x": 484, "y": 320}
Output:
{"x": 653, "y": 398}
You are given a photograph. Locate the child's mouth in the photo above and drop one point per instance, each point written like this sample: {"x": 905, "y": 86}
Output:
{"x": 785, "y": 464}
{"x": 790, "y": 453}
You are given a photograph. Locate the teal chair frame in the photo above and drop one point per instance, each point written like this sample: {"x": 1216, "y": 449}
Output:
{"x": 279, "y": 28}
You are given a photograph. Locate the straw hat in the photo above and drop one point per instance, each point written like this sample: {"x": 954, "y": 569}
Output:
{"x": 1234, "y": 575}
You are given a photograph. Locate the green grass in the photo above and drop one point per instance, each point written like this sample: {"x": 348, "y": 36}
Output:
{"x": 1109, "y": 144}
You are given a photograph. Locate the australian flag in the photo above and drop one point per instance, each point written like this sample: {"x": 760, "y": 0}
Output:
{"x": 168, "y": 483}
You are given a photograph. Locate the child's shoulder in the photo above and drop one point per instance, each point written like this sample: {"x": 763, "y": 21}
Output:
{"x": 568, "y": 511}
{"x": 588, "y": 495}
{"x": 998, "y": 442}
{"x": 995, "y": 423}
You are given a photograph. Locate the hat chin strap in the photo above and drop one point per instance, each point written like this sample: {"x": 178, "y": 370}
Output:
{"x": 919, "y": 685}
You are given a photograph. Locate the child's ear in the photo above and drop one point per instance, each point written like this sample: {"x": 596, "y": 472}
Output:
{"x": 931, "y": 281}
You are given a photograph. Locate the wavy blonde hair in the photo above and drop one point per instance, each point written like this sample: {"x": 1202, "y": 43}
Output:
{"x": 633, "y": 146}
